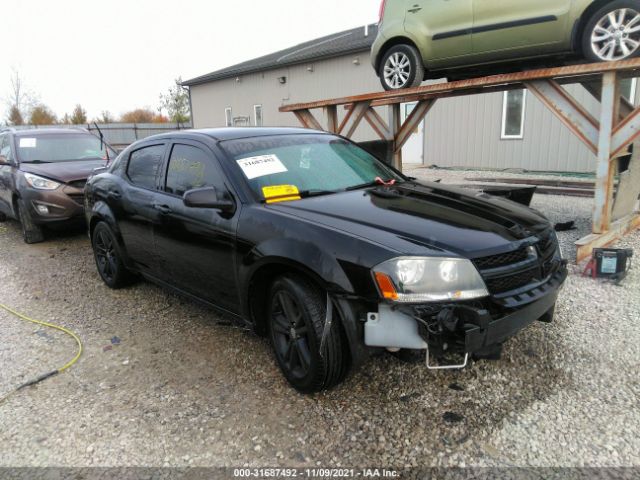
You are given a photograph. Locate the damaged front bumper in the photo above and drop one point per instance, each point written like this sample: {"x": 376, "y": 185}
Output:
{"x": 462, "y": 328}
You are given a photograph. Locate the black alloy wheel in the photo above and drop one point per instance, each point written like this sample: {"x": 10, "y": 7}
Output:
{"x": 108, "y": 257}
{"x": 291, "y": 334}
{"x": 297, "y": 317}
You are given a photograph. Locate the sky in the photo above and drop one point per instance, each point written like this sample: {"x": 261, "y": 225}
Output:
{"x": 117, "y": 55}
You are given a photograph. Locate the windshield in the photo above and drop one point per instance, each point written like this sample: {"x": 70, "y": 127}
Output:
{"x": 60, "y": 148}
{"x": 305, "y": 165}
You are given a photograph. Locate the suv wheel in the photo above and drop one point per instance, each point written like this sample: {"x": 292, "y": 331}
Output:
{"x": 297, "y": 314}
{"x": 31, "y": 233}
{"x": 401, "y": 67}
{"x": 107, "y": 254}
{"x": 613, "y": 32}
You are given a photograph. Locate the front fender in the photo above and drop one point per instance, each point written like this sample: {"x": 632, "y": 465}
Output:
{"x": 308, "y": 257}
{"x": 311, "y": 261}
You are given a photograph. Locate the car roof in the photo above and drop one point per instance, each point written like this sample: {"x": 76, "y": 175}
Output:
{"x": 222, "y": 134}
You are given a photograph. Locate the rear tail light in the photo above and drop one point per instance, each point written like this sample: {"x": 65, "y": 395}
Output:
{"x": 383, "y": 6}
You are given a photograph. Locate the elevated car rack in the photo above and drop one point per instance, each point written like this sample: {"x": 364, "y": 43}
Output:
{"x": 608, "y": 136}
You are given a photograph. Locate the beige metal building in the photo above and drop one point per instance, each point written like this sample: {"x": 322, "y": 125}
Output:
{"x": 492, "y": 131}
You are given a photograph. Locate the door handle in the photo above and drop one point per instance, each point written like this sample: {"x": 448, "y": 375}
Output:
{"x": 415, "y": 9}
{"x": 164, "y": 209}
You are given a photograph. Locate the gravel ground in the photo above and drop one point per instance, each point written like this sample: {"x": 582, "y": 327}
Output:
{"x": 180, "y": 387}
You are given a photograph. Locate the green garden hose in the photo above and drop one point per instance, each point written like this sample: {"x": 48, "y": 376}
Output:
{"x": 53, "y": 372}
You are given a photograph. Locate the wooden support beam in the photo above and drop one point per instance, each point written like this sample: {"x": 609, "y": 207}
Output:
{"x": 332, "y": 118}
{"x": 412, "y": 122}
{"x": 354, "y": 115}
{"x": 617, "y": 230}
{"x": 378, "y": 124}
{"x": 568, "y": 110}
{"x": 351, "y": 121}
{"x": 567, "y": 74}
{"x": 307, "y": 119}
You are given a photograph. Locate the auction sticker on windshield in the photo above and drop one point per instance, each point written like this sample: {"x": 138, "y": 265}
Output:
{"x": 27, "y": 143}
{"x": 261, "y": 166}
{"x": 280, "y": 193}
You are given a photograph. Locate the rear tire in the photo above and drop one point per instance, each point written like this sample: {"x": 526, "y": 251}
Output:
{"x": 297, "y": 312}
{"x": 31, "y": 233}
{"x": 109, "y": 258}
{"x": 401, "y": 67}
{"x": 608, "y": 39}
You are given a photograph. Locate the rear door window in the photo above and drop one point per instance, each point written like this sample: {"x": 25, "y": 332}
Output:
{"x": 190, "y": 168}
{"x": 144, "y": 165}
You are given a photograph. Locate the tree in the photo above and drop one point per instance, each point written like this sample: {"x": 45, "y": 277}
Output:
{"x": 176, "y": 103}
{"x": 105, "y": 117}
{"x": 15, "y": 116}
{"x": 142, "y": 115}
{"x": 20, "y": 100}
{"x": 79, "y": 115}
{"x": 42, "y": 115}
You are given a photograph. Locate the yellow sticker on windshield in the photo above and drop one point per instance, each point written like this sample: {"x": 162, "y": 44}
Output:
{"x": 280, "y": 193}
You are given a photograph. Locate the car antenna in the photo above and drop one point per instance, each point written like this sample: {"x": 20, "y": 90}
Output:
{"x": 102, "y": 142}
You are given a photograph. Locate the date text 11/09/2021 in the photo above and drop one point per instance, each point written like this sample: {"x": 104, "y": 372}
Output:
{"x": 314, "y": 473}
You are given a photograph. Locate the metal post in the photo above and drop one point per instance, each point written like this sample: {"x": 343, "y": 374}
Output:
{"x": 606, "y": 165}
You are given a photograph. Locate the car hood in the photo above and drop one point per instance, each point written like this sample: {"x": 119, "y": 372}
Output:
{"x": 442, "y": 219}
{"x": 64, "y": 172}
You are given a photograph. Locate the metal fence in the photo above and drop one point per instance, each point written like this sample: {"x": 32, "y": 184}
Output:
{"x": 120, "y": 135}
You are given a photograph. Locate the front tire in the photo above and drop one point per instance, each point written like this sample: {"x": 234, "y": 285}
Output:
{"x": 108, "y": 257}
{"x": 297, "y": 312}
{"x": 613, "y": 32}
{"x": 401, "y": 67}
{"x": 31, "y": 233}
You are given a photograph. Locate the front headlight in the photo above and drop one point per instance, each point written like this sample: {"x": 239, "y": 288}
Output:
{"x": 40, "y": 183}
{"x": 429, "y": 279}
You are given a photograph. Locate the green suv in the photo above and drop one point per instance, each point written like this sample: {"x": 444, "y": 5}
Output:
{"x": 421, "y": 39}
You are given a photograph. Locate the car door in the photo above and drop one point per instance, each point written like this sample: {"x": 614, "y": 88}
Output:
{"x": 133, "y": 200}
{"x": 7, "y": 169}
{"x": 442, "y": 28}
{"x": 513, "y": 28}
{"x": 196, "y": 246}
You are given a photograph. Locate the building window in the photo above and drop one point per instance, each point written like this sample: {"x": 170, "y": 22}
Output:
{"x": 257, "y": 115}
{"x": 628, "y": 89}
{"x": 228, "y": 117}
{"x": 513, "y": 108}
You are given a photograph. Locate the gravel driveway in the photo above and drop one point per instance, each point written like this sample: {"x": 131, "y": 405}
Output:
{"x": 164, "y": 382}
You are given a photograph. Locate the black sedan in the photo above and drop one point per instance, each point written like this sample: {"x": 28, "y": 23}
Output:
{"x": 308, "y": 239}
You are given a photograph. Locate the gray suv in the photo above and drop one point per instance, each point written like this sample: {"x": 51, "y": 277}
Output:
{"x": 43, "y": 173}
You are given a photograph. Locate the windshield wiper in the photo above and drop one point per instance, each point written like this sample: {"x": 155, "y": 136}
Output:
{"x": 36, "y": 161}
{"x": 316, "y": 193}
{"x": 374, "y": 183}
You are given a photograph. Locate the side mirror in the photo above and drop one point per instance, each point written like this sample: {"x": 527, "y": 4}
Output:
{"x": 209, "y": 197}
